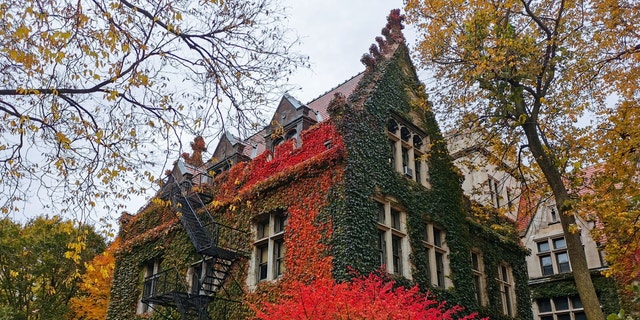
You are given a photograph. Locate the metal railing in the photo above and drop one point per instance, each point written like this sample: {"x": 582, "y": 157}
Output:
{"x": 163, "y": 283}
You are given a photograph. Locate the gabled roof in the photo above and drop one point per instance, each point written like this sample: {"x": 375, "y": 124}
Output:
{"x": 256, "y": 143}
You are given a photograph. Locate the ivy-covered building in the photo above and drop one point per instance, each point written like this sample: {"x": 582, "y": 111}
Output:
{"x": 355, "y": 180}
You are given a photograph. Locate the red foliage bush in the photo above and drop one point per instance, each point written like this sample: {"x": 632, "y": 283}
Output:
{"x": 364, "y": 298}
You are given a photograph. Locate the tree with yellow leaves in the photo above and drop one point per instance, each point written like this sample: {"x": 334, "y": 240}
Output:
{"x": 40, "y": 266}
{"x": 94, "y": 93}
{"x": 93, "y": 297}
{"x": 528, "y": 71}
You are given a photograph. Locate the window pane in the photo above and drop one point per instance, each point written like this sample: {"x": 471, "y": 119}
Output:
{"x": 263, "y": 229}
{"x": 575, "y": 300}
{"x": 507, "y": 300}
{"x": 559, "y": 243}
{"x": 474, "y": 261}
{"x": 563, "y": 262}
{"x": 437, "y": 237}
{"x": 395, "y": 219}
{"x": 546, "y": 265}
{"x": 417, "y": 141}
{"x": 477, "y": 288}
{"x": 392, "y": 159}
{"x": 278, "y": 257}
{"x": 505, "y": 274}
{"x": 580, "y": 316}
{"x": 381, "y": 214}
{"x": 405, "y": 157}
{"x": 382, "y": 248}
{"x": 561, "y": 303}
{"x": 416, "y": 165}
{"x": 546, "y": 318}
{"x": 440, "y": 269}
{"x": 280, "y": 221}
{"x": 544, "y": 305}
{"x": 428, "y": 261}
{"x": 565, "y": 316}
{"x": 405, "y": 134}
{"x": 543, "y": 246}
{"x": 396, "y": 243}
{"x": 392, "y": 126}
{"x": 263, "y": 256}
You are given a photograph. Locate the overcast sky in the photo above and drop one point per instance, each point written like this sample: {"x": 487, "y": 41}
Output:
{"x": 335, "y": 34}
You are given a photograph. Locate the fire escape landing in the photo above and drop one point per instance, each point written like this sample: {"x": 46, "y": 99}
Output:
{"x": 219, "y": 246}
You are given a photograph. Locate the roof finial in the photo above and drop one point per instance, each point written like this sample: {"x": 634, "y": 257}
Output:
{"x": 392, "y": 33}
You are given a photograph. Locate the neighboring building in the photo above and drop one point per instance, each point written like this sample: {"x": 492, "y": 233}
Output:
{"x": 357, "y": 179}
{"x": 554, "y": 295}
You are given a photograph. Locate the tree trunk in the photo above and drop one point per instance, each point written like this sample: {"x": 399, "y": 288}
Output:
{"x": 577, "y": 257}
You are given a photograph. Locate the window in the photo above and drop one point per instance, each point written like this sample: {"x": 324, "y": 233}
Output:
{"x": 553, "y": 256}
{"x": 150, "y": 273}
{"x": 560, "y": 308}
{"x": 269, "y": 249}
{"x": 393, "y": 245}
{"x": 477, "y": 270}
{"x": 205, "y": 277}
{"x": 407, "y": 151}
{"x": 494, "y": 191}
{"x": 436, "y": 249}
{"x": 507, "y": 290}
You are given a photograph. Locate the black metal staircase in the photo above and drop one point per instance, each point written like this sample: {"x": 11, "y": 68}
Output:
{"x": 219, "y": 246}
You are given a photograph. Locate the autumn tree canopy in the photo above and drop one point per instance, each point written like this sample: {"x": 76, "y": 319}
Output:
{"x": 92, "y": 299}
{"x": 93, "y": 92}
{"x": 528, "y": 71}
{"x": 40, "y": 266}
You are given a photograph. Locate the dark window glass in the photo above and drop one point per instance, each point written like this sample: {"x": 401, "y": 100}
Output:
{"x": 382, "y": 248}
{"x": 263, "y": 254}
{"x": 559, "y": 243}
{"x": 544, "y": 305}
{"x": 437, "y": 237}
{"x": 440, "y": 268}
{"x": 475, "y": 261}
{"x": 263, "y": 229}
{"x": 564, "y": 316}
{"x": 563, "y": 262}
{"x": 405, "y": 157}
{"x": 417, "y": 141}
{"x": 381, "y": 214}
{"x": 416, "y": 165}
{"x": 392, "y": 126}
{"x": 543, "y": 246}
{"x": 392, "y": 159}
{"x": 580, "y": 316}
{"x": 278, "y": 254}
{"x": 477, "y": 287}
{"x": 561, "y": 303}
{"x": 395, "y": 219}
{"x": 405, "y": 134}
{"x": 280, "y": 221}
{"x": 575, "y": 300}
{"x": 396, "y": 244}
{"x": 546, "y": 265}
{"x": 547, "y": 318}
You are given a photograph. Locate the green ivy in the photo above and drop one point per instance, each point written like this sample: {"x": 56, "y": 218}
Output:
{"x": 563, "y": 285}
{"x": 394, "y": 88}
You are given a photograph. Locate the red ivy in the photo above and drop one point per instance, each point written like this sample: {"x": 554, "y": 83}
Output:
{"x": 365, "y": 298}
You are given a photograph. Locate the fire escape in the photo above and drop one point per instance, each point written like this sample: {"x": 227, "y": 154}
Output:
{"x": 219, "y": 246}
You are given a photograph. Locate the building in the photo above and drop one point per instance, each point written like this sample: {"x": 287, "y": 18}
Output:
{"x": 490, "y": 180}
{"x": 357, "y": 179}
